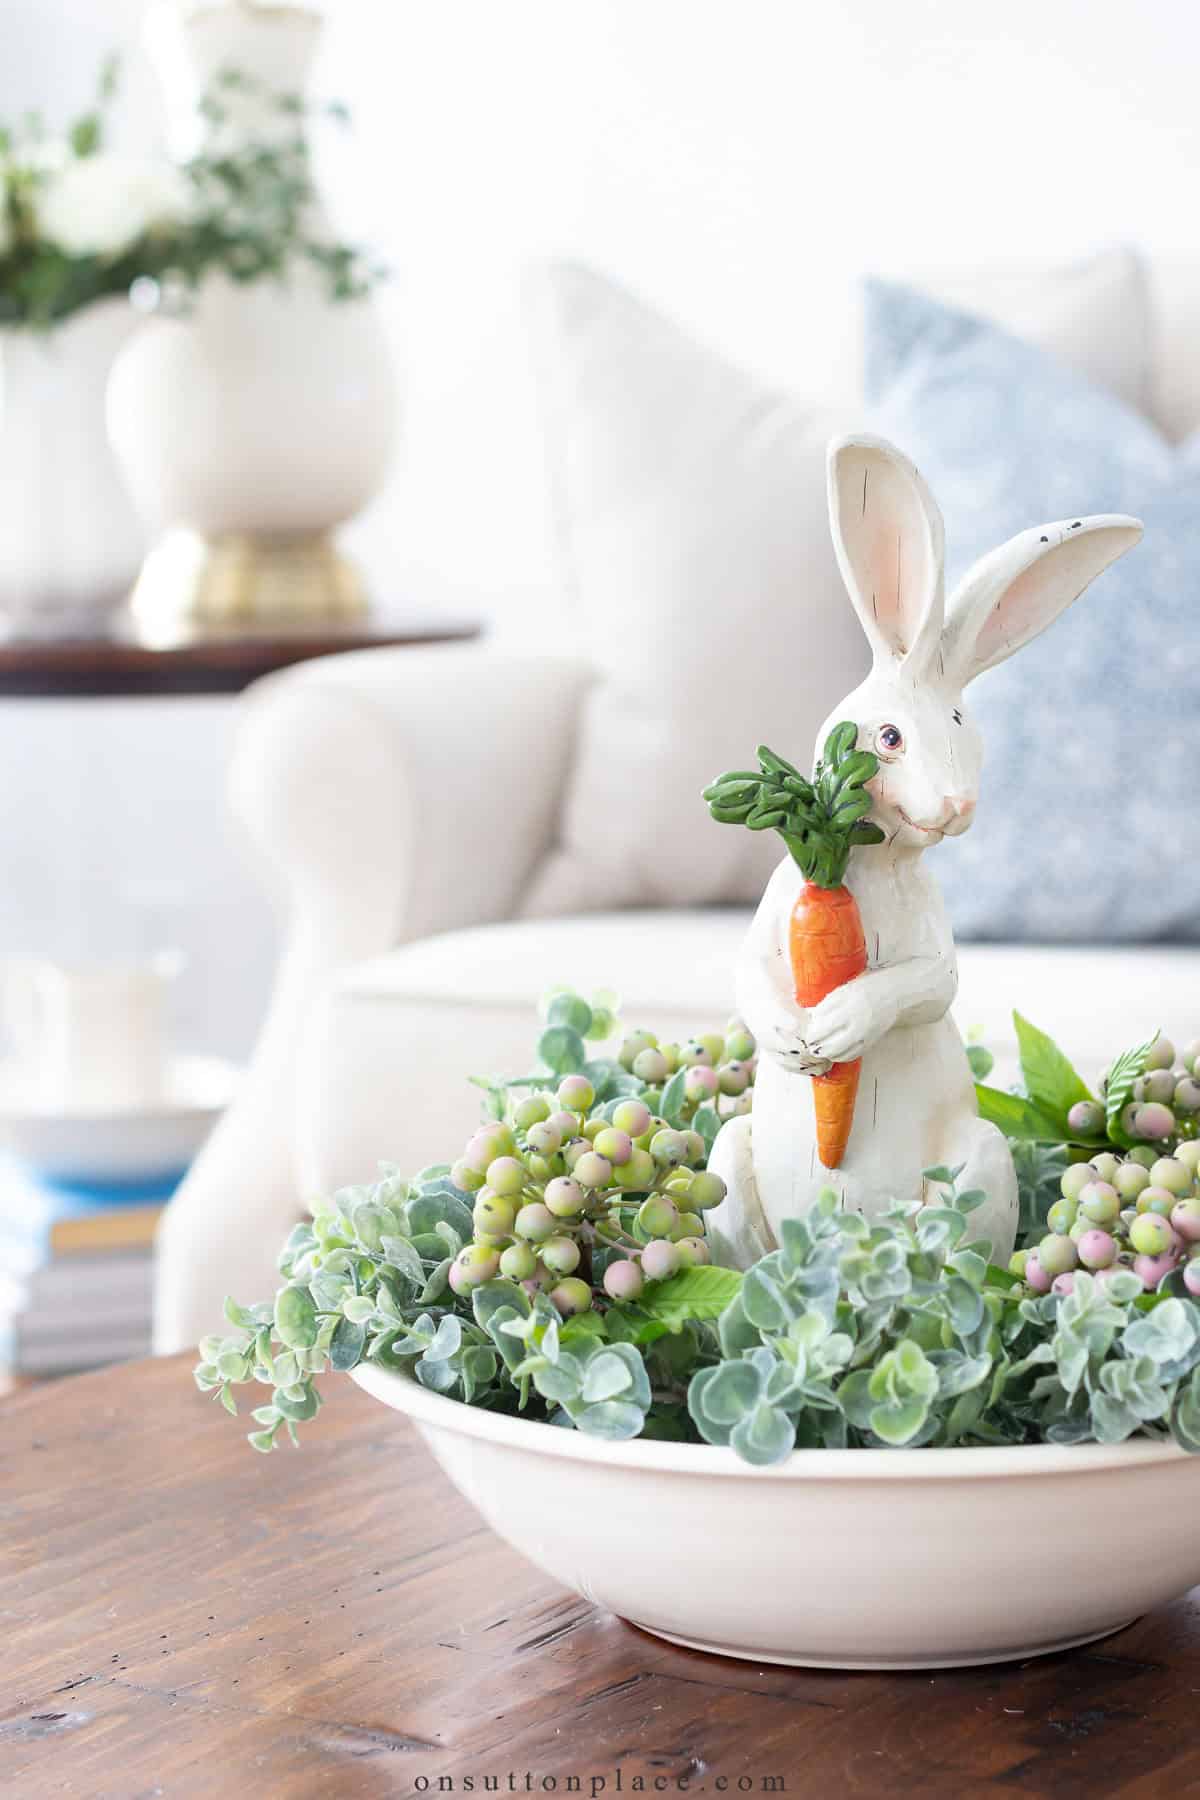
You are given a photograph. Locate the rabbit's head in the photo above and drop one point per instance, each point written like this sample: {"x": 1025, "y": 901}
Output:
{"x": 887, "y": 532}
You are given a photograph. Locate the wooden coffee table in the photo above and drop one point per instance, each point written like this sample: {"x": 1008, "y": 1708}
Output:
{"x": 184, "y": 1618}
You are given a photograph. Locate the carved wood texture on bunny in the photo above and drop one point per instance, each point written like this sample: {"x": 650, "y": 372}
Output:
{"x": 916, "y": 1101}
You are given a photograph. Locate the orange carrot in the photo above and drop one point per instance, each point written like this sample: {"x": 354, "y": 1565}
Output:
{"x": 828, "y": 948}
{"x": 820, "y": 821}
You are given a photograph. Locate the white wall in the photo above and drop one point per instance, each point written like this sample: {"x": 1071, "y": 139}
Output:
{"x": 736, "y": 162}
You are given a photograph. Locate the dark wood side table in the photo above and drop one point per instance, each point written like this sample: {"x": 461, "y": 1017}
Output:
{"x": 125, "y": 662}
{"x": 184, "y": 1618}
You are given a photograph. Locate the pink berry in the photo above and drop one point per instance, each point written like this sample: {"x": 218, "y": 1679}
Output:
{"x": 1036, "y": 1276}
{"x": 1097, "y": 1250}
{"x": 1191, "y": 1277}
{"x": 1185, "y": 1218}
{"x": 1151, "y": 1269}
{"x": 1063, "y": 1284}
{"x": 700, "y": 1082}
{"x": 623, "y": 1280}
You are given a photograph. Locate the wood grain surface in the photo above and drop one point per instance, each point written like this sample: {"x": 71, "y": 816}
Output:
{"x": 184, "y": 1618}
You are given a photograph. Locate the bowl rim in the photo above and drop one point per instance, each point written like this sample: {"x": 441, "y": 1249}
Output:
{"x": 437, "y": 1412}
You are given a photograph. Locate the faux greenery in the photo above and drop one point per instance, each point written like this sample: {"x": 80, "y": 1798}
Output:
{"x": 853, "y": 1333}
{"x": 820, "y": 820}
{"x": 80, "y": 221}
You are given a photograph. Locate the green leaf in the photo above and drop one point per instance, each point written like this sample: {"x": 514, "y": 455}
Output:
{"x": 296, "y": 1322}
{"x": 1017, "y": 1117}
{"x": 981, "y": 1060}
{"x": 897, "y": 1422}
{"x": 701, "y": 1293}
{"x": 615, "y": 1419}
{"x": 1121, "y": 1078}
{"x": 346, "y": 1346}
{"x": 707, "y": 1121}
{"x": 766, "y": 1437}
{"x": 606, "y": 1376}
{"x": 673, "y": 1100}
{"x": 1051, "y": 1081}
{"x": 571, "y": 1011}
{"x": 562, "y": 1050}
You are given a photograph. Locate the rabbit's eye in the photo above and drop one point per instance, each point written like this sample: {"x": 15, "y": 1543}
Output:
{"x": 890, "y": 739}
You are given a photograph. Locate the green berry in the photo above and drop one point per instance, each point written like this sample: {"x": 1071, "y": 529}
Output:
{"x": 465, "y": 1177}
{"x": 1151, "y": 1235}
{"x": 1105, "y": 1165}
{"x": 631, "y": 1117}
{"x": 564, "y": 1199}
{"x": 571, "y": 1296}
{"x": 739, "y": 1043}
{"x": 518, "y": 1262}
{"x": 593, "y": 1171}
{"x": 544, "y": 1139}
{"x": 658, "y": 1216}
{"x": 561, "y": 1255}
{"x": 696, "y": 1051}
{"x": 669, "y": 1147}
{"x": 1161, "y": 1054}
{"x": 476, "y": 1264}
{"x": 734, "y": 1078}
{"x": 638, "y": 1174}
{"x": 536, "y": 1222}
{"x": 1158, "y": 1200}
{"x": 1061, "y": 1215}
{"x": 1086, "y": 1118}
{"x": 494, "y": 1214}
{"x": 531, "y": 1111}
{"x": 1142, "y": 1153}
{"x": 706, "y": 1190}
{"x": 1185, "y": 1097}
{"x": 1189, "y": 1154}
{"x": 1057, "y": 1255}
{"x": 616, "y": 1146}
{"x": 506, "y": 1176}
{"x": 714, "y": 1043}
{"x": 1075, "y": 1178}
{"x": 650, "y": 1066}
{"x": 1159, "y": 1085}
{"x": 1130, "y": 1179}
{"x": 693, "y": 1252}
{"x": 575, "y": 1093}
{"x": 1016, "y": 1263}
{"x": 1100, "y": 1204}
{"x": 632, "y": 1046}
{"x": 1168, "y": 1172}
{"x": 690, "y": 1225}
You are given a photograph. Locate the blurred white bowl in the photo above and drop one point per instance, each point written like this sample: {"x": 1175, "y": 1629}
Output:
{"x": 848, "y": 1559}
{"x": 111, "y": 1147}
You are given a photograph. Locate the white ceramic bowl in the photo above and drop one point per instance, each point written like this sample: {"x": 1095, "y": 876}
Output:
{"x": 132, "y": 1145}
{"x": 848, "y": 1559}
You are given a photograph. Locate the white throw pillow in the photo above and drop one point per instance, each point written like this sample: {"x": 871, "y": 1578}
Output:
{"x": 690, "y": 502}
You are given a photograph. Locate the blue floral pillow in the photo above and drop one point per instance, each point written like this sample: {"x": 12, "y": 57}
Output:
{"x": 1086, "y": 823}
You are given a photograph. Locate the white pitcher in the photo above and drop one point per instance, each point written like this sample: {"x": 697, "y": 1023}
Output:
{"x": 91, "y": 1036}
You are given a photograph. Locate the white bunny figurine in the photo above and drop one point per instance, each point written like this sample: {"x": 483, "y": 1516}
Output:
{"x": 916, "y": 1102}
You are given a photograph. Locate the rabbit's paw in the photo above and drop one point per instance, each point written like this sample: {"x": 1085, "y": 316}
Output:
{"x": 847, "y": 1022}
{"x": 788, "y": 1045}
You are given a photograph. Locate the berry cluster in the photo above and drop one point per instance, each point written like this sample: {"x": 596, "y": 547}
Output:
{"x": 589, "y": 1205}
{"x": 1140, "y": 1212}
{"x": 1165, "y": 1099}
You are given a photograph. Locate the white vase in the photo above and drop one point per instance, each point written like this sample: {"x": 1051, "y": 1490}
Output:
{"x": 250, "y": 429}
{"x": 70, "y": 541}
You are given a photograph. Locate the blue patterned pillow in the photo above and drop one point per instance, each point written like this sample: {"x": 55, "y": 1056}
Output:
{"x": 1092, "y": 732}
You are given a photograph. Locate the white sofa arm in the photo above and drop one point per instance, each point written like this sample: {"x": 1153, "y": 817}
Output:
{"x": 388, "y": 793}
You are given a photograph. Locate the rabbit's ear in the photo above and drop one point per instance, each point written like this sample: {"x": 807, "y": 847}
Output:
{"x": 1013, "y": 593}
{"x": 887, "y": 532}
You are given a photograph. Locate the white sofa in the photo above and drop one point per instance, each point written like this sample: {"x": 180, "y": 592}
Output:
{"x": 403, "y": 803}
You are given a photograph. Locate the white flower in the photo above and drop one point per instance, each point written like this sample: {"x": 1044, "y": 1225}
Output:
{"x": 99, "y": 205}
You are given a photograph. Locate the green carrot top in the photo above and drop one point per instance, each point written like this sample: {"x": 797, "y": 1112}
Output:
{"x": 820, "y": 820}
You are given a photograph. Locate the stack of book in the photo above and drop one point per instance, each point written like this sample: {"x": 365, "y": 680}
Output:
{"x": 76, "y": 1276}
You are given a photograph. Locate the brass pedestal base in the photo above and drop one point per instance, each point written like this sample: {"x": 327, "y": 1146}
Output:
{"x": 190, "y": 584}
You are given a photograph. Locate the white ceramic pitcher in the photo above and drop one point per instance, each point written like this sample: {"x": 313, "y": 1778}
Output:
{"x": 88, "y": 1036}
